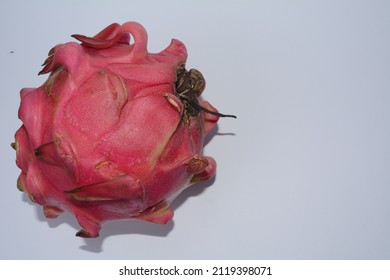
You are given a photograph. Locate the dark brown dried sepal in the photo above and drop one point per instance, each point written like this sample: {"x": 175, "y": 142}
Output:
{"x": 85, "y": 234}
{"x": 188, "y": 87}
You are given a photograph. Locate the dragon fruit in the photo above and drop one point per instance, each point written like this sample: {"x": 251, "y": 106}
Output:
{"x": 115, "y": 132}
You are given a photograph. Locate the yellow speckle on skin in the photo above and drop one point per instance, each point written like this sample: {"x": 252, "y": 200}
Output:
{"x": 101, "y": 164}
{"x": 57, "y": 141}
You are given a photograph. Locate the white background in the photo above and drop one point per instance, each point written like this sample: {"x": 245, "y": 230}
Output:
{"x": 303, "y": 173}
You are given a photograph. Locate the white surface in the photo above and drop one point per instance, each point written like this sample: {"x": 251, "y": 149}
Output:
{"x": 302, "y": 173}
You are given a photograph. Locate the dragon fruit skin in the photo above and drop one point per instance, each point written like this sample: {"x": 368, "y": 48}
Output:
{"x": 107, "y": 136}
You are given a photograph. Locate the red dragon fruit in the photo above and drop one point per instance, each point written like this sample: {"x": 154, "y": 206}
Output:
{"x": 115, "y": 132}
